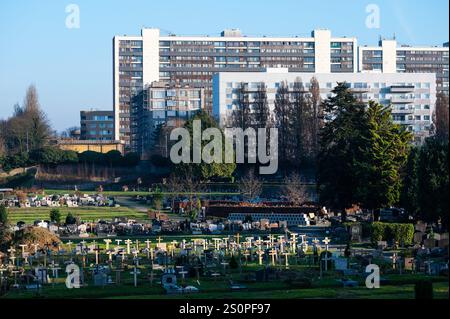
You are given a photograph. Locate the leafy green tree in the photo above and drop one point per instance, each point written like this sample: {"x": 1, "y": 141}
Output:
{"x": 204, "y": 170}
{"x": 55, "y": 216}
{"x": 340, "y": 148}
{"x": 3, "y": 215}
{"x": 385, "y": 147}
{"x": 433, "y": 178}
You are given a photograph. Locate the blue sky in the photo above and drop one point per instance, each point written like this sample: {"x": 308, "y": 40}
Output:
{"x": 72, "y": 68}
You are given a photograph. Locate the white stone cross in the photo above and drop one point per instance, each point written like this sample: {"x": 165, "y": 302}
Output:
{"x": 273, "y": 253}
{"x": 135, "y": 272}
{"x": 147, "y": 242}
{"x": 326, "y": 241}
{"x": 128, "y": 242}
{"x": 23, "y": 249}
{"x": 118, "y": 241}
{"x": 293, "y": 242}
{"x": 107, "y": 242}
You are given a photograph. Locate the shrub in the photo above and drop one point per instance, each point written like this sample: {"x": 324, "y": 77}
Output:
{"x": 70, "y": 219}
{"x": 55, "y": 215}
{"x": 3, "y": 215}
{"x": 402, "y": 233}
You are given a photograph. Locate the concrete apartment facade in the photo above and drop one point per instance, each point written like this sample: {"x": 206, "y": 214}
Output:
{"x": 141, "y": 60}
{"x": 97, "y": 125}
{"x": 411, "y": 96}
{"x": 388, "y": 57}
{"x": 166, "y": 104}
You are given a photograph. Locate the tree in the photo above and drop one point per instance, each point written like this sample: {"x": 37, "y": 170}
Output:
{"x": 409, "y": 197}
{"x": 241, "y": 116}
{"x": 261, "y": 112}
{"x": 340, "y": 145}
{"x": 294, "y": 190}
{"x": 384, "y": 152}
{"x": 174, "y": 187}
{"x": 55, "y": 216}
{"x": 3, "y": 215}
{"x": 250, "y": 186}
{"x": 433, "y": 178}
{"x": 205, "y": 171}
{"x": 317, "y": 115}
{"x": 157, "y": 199}
{"x": 283, "y": 121}
{"x": 301, "y": 126}
{"x": 441, "y": 117}
{"x": 70, "y": 219}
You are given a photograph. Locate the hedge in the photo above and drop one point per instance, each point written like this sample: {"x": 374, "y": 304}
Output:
{"x": 401, "y": 233}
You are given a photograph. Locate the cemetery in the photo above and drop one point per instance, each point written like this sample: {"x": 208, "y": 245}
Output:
{"x": 290, "y": 265}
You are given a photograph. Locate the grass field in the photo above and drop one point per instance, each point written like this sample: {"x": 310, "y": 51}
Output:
{"x": 29, "y": 215}
{"x": 134, "y": 193}
{"x": 219, "y": 289}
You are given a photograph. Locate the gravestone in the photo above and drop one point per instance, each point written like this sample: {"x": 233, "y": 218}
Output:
{"x": 100, "y": 278}
{"x": 356, "y": 232}
{"x": 443, "y": 243}
{"x": 418, "y": 237}
{"x": 381, "y": 244}
{"x": 340, "y": 263}
{"x": 429, "y": 243}
{"x": 420, "y": 227}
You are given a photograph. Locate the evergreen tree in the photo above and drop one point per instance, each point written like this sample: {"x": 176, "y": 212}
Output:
{"x": 3, "y": 215}
{"x": 433, "y": 178}
{"x": 340, "y": 148}
{"x": 385, "y": 148}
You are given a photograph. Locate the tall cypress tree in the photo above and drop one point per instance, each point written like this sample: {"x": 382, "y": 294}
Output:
{"x": 340, "y": 148}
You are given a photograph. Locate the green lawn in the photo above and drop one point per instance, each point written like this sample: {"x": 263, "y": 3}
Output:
{"x": 219, "y": 289}
{"x": 29, "y": 215}
{"x": 133, "y": 193}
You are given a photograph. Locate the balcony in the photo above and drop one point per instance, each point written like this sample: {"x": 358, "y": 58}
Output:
{"x": 360, "y": 89}
{"x": 402, "y": 88}
{"x": 402, "y": 99}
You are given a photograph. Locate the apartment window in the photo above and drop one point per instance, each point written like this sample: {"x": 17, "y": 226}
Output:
{"x": 158, "y": 94}
{"x": 329, "y": 85}
{"x": 426, "y": 117}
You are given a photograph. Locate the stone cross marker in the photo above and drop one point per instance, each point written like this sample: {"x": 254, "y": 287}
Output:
{"x": 128, "y": 242}
{"x": 273, "y": 253}
{"x": 107, "y": 242}
{"x": 135, "y": 272}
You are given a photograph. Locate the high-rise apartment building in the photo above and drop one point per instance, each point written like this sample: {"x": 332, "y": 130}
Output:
{"x": 388, "y": 57}
{"x": 141, "y": 60}
{"x": 97, "y": 125}
{"x": 411, "y": 96}
{"x": 166, "y": 104}
{"x": 193, "y": 60}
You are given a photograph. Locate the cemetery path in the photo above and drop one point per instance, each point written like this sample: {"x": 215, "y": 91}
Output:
{"x": 127, "y": 202}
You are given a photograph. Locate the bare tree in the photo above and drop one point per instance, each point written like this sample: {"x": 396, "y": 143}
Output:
{"x": 261, "y": 114}
{"x": 283, "y": 120}
{"x": 317, "y": 115}
{"x": 241, "y": 116}
{"x": 174, "y": 187}
{"x": 295, "y": 190}
{"x": 250, "y": 186}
